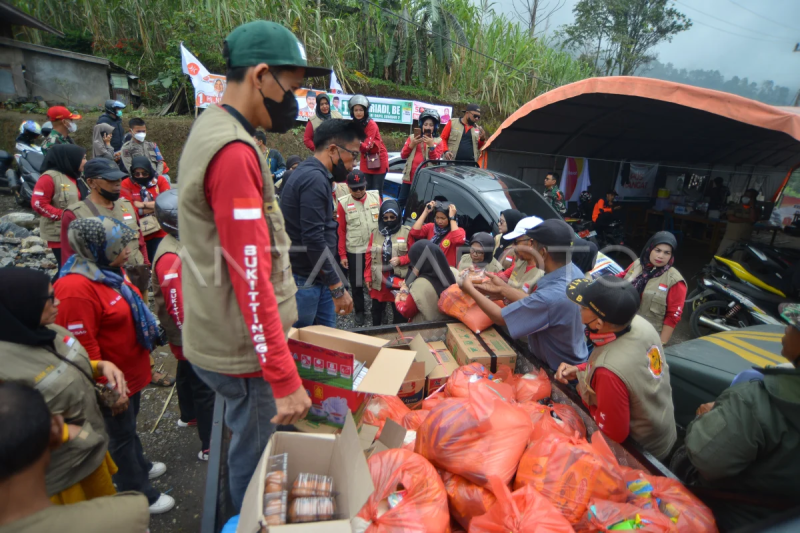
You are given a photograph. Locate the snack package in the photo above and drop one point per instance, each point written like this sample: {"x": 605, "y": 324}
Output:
{"x": 311, "y": 510}
{"x": 409, "y": 496}
{"x": 477, "y": 437}
{"x": 467, "y": 500}
{"x": 413, "y": 419}
{"x": 605, "y": 516}
{"x": 553, "y": 418}
{"x": 523, "y": 511}
{"x": 381, "y": 407}
{"x": 457, "y": 385}
{"x": 275, "y": 506}
{"x": 307, "y": 485}
{"x": 569, "y": 472}
{"x": 532, "y": 387}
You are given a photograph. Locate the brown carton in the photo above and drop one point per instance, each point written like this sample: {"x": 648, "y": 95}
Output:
{"x": 412, "y": 392}
{"x": 445, "y": 365}
{"x": 467, "y": 349}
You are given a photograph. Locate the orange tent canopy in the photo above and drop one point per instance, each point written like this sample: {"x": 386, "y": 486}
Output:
{"x": 643, "y": 119}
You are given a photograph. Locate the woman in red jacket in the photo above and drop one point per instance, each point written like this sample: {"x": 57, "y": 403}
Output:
{"x": 374, "y": 157}
{"x": 443, "y": 231}
{"x": 417, "y": 149}
{"x": 141, "y": 189}
{"x": 107, "y": 315}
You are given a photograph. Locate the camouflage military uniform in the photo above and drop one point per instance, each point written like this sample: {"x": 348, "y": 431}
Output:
{"x": 147, "y": 149}
{"x": 55, "y": 138}
{"x": 556, "y": 199}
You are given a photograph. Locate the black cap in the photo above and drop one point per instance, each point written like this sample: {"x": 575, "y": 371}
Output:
{"x": 104, "y": 169}
{"x": 356, "y": 179}
{"x": 552, "y": 232}
{"x": 473, "y": 107}
{"x": 613, "y": 299}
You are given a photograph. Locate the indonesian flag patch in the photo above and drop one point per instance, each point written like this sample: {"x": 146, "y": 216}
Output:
{"x": 38, "y": 193}
{"x": 663, "y": 287}
{"x": 401, "y": 239}
{"x": 247, "y": 209}
{"x": 73, "y": 326}
{"x": 171, "y": 275}
{"x": 127, "y": 216}
{"x": 69, "y": 341}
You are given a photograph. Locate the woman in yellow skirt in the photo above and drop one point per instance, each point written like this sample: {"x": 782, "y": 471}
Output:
{"x": 36, "y": 352}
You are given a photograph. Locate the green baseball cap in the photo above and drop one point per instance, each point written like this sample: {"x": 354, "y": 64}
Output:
{"x": 262, "y": 41}
{"x": 790, "y": 313}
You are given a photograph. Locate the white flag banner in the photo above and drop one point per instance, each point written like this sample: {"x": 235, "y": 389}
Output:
{"x": 335, "y": 86}
{"x": 575, "y": 178}
{"x": 640, "y": 181}
{"x": 208, "y": 88}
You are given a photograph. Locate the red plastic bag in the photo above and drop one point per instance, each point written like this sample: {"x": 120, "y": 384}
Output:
{"x": 381, "y": 407}
{"x": 453, "y": 302}
{"x": 603, "y": 515}
{"x": 670, "y": 497}
{"x": 555, "y": 418}
{"x": 532, "y": 387}
{"x": 569, "y": 472}
{"x": 481, "y": 436}
{"x": 413, "y": 419}
{"x": 504, "y": 374}
{"x": 458, "y": 383}
{"x": 409, "y": 496}
{"x": 467, "y": 500}
{"x": 524, "y": 511}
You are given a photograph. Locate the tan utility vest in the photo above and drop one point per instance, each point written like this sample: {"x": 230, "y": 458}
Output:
{"x": 67, "y": 392}
{"x": 217, "y": 338}
{"x": 654, "y": 297}
{"x": 427, "y": 301}
{"x": 509, "y": 253}
{"x": 316, "y": 121}
{"x": 399, "y": 249}
{"x": 65, "y": 193}
{"x": 361, "y": 219}
{"x": 466, "y": 262}
{"x": 456, "y": 132}
{"x": 168, "y": 245}
{"x": 637, "y": 358}
{"x": 125, "y": 213}
{"x": 524, "y": 281}
{"x": 410, "y": 159}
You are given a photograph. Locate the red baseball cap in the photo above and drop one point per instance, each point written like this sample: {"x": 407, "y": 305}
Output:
{"x": 60, "y": 112}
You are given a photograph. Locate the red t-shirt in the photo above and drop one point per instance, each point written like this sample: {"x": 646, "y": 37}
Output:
{"x": 42, "y": 199}
{"x": 133, "y": 193}
{"x": 168, "y": 272}
{"x": 233, "y": 189}
{"x": 612, "y": 412}
{"x": 102, "y": 321}
{"x": 449, "y": 244}
{"x": 676, "y": 297}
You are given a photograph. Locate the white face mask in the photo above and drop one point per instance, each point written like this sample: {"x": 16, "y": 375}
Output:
{"x": 72, "y": 127}
{"x": 745, "y": 199}
{"x": 140, "y": 137}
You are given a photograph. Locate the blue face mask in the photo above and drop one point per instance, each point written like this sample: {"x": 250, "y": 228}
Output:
{"x": 119, "y": 112}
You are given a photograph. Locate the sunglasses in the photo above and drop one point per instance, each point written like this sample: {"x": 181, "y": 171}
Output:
{"x": 476, "y": 116}
{"x": 141, "y": 175}
{"x": 523, "y": 241}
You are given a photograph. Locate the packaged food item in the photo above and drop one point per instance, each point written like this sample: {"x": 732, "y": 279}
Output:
{"x": 413, "y": 419}
{"x": 275, "y": 506}
{"x": 532, "y": 387}
{"x": 307, "y": 485}
{"x": 313, "y": 509}
{"x": 604, "y": 516}
{"x": 553, "y": 417}
{"x": 453, "y": 302}
{"x": 458, "y": 384}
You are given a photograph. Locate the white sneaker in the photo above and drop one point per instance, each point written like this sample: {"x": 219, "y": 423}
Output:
{"x": 190, "y": 423}
{"x": 202, "y": 455}
{"x": 157, "y": 470}
{"x": 163, "y": 504}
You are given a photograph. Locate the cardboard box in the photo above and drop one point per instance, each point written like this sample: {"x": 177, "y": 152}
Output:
{"x": 467, "y": 349}
{"x": 392, "y": 436}
{"x": 413, "y": 390}
{"x": 445, "y": 365}
{"x": 338, "y": 456}
{"x": 327, "y": 357}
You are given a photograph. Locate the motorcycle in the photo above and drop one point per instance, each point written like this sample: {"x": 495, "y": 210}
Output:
{"x": 21, "y": 183}
{"x": 583, "y": 228}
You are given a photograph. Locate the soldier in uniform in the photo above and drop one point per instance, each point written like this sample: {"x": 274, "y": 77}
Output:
{"x": 553, "y": 194}
{"x": 138, "y": 146}
{"x": 63, "y": 121}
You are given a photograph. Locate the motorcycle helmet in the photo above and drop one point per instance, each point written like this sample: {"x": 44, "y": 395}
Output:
{"x": 432, "y": 114}
{"x": 585, "y": 197}
{"x": 47, "y": 127}
{"x": 31, "y": 128}
{"x": 167, "y": 211}
{"x": 112, "y": 106}
{"x": 358, "y": 99}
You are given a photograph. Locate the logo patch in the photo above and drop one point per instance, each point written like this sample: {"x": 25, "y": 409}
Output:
{"x": 526, "y": 287}
{"x": 171, "y": 275}
{"x": 655, "y": 361}
{"x": 413, "y": 216}
{"x": 72, "y": 326}
{"x": 69, "y": 341}
{"x": 127, "y": 216}
{"x": 663, "y": 287}
{"x": 38, "y": 193}
{"x": 446, "y": 243}
{"x": 401, "y": 239}
{"x": 247, "y": 209}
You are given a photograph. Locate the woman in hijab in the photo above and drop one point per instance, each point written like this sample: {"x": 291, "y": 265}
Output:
{"x": 660, "y": 285}
{"x": 101, "y": 142}
{"x": 36, "y": 352}
{"x": 56, "y": 189}
{"x": 374, "y": 156}
{"x": 503, "y": 251}
{"x": 141, "y": 189}
{"x": 430, "y": 275}
{"x": 480, "y": 254}
{"x": 443, "y": 231}
{"x": 322, "y": 113}
{"x": 107, "y": 315}
{"x": 387, "y": 261}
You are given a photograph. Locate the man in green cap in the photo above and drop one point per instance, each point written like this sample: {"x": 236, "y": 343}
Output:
{"x": 742, "y": 449}
{"x": 232, "y": 330}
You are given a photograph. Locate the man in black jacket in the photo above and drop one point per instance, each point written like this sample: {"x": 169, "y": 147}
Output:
{"x": 307, "y": 205}
{"x": 113, "y": 117}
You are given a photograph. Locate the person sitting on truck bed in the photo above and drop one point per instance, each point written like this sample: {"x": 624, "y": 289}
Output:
{"x": 625, "y": 382}
{"x": 418, "y": 299}
{"x": 480, "y": 254}
{"x": 546, "y": 316}
{"x": 443, "y": 231}
{"x": 523, "y": 273}
{"x": 742, "y": 448}
{"x": 503, "y": 251}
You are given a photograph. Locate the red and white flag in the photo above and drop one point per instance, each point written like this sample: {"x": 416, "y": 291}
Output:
{"x": 247, "y": 209}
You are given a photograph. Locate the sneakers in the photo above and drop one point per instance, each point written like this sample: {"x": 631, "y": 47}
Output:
{"x": 202, "y": 455}
{"x": 157, "y": 470}
{"x": 190, "y": 423}
{"x": 163, "y": 504}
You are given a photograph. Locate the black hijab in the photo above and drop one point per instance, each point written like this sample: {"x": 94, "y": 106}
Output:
{"x": 584, "y": 260}
{"x": 649, "y": 270}
{"x": 323, "y": 116}
{"x": 512, "y": 217}
{"x": 432, "y": 265}
{"x": 487, "y": 244}
{"x": 387, "y": 229}
{"x": 65, "y": 158}
{"x": 142, "y": 162}
{"x": 23, "y": 295}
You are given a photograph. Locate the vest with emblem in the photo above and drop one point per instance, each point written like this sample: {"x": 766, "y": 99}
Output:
{"x": 65, "y": 193}
{"x": 637, "y": 358}
{"x": 522, "y": 280}
{"x": 168, "y": 245}
{"x": 217, "y": 338}
{"x": 361, "y": 219}
{"x": 66, "y": 391}
{"x": 407, "y": 177}
{"x": 454, "y": 140}
{"x": 399, "y": 249}
{"x": 124, "y": 212}
{"x": 316, "y": 121}
{"x": 509, "y": 254}
{"x": 466, "y": 262}
{"x": 654, "y": 297}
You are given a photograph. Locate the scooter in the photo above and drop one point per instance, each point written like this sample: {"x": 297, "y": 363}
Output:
{"x": 21, "y": 183}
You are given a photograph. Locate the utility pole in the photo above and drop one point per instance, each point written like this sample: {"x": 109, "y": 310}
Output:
{"x": 797, "y": 97}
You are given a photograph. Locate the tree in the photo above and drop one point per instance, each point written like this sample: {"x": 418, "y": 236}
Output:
{"x": 532, "y": 13}
{"x": 616, "y": 36}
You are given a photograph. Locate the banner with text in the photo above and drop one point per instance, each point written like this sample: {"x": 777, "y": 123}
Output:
{"x": 208, "y": 88}
{"x": 639, "y": 183}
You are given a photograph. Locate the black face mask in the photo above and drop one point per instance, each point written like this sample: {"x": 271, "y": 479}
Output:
{"x": 339, "y": 170}
{"x": 283, "y": 113}
{"x": 110, "y": 196}
{"x": 142, "y": 182}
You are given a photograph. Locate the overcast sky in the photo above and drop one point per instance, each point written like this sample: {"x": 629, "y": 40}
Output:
{"x": 724, "y": 37}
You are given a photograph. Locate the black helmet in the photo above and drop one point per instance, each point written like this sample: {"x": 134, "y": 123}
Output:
{"x": 112, "y": 106}
{"x": 431, "y": 114}
{"x": 585, "y": 196}
{"x": 47, "y": 127}
{"x": 167, "y": 211}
